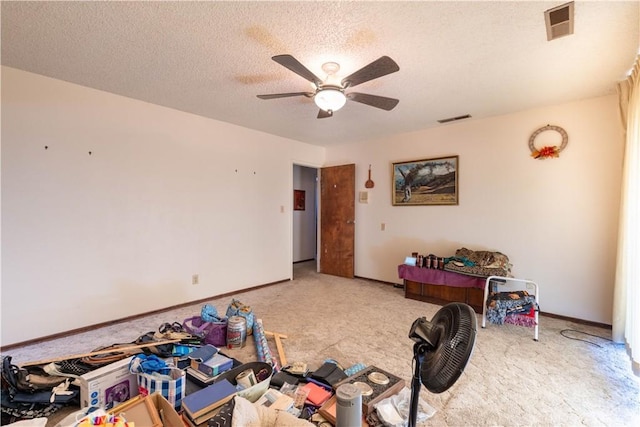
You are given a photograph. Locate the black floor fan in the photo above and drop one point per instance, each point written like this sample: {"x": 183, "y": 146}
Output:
{"x": 441, "y": 351}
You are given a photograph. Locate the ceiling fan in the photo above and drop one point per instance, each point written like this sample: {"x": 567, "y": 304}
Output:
{"x": 330, "y": 95}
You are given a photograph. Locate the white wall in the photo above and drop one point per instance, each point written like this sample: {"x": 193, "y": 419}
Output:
{"x": 163, "y": 195}
{"x": 556, "y": 219}
{"x": 304, "y": 222}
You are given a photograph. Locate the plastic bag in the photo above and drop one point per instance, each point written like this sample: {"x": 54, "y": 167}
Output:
{"x": 394, "y": 410}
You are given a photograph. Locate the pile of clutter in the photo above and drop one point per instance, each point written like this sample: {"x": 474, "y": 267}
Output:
{"x": 182, "y": 375}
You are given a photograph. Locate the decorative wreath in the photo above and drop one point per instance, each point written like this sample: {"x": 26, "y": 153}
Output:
{"x": 548, "y": 151}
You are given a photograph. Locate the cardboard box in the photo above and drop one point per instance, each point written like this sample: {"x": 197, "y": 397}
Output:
{"x": 149, "y": 411}
{"x": 109, "y": 385}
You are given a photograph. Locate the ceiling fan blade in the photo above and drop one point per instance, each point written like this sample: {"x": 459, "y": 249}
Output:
{"x": 378, "y": 68}
{"x": 285, "y": 95}
{"x": 324, "y": 114}
{"x": 294, "y": 65}
{"x": 374, "y": 100}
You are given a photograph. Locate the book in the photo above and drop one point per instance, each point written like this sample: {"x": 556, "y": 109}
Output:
{"x": 202, "y": 420}
{"x": 205, "y": 401}
{"x": 203, "y": 353}
{"x": 190, "y": 423}
{"x": 215, "y": 365}
{"x": 200, "y": 378}
{"x": 189, "y": 353}
{"x": 317, "y": 395}
{"x": 187, "y": 421}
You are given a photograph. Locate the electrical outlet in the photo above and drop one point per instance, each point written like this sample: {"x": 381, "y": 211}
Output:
{"x": 195, "y": 279}
{"x": 383, "y": 226}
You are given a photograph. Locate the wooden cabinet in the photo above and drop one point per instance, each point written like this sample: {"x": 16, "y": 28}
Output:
{"x": 443, "y": 294}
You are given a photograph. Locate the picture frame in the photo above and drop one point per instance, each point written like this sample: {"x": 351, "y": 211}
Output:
{"x": 298, "y": 200}
{"x": 141, "y": 410}
{"x": 425, "y": 182}
{"x": 328, "y": 409}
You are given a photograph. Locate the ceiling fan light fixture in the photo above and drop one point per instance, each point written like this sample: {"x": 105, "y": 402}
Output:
{"x": 330, "y": 98}
{"x": 329, "y": 94}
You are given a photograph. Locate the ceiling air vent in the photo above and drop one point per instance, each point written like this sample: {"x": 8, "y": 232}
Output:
{"x": 453, "y": 119}
{"x": 559, "y": 21}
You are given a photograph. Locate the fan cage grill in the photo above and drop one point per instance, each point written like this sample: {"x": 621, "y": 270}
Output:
{"x": 442, "y": 367}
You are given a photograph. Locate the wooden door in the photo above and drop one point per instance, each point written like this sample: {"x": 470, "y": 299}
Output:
{"x": 337, "y": 220}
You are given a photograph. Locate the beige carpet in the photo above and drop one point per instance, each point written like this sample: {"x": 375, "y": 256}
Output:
{"x": 511, "y": 379}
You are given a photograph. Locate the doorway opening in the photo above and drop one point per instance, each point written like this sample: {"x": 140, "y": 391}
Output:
{"x": 305, "y": 219}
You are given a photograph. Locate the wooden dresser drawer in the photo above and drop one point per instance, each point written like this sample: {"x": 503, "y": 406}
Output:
{"x": 443, "y": 294}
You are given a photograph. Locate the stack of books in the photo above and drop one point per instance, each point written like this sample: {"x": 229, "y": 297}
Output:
{"x": 204, "y": 404}
{"x": 213, "y": 366}
{"x": 205, "y": 364}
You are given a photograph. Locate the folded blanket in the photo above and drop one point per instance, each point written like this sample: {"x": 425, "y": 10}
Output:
{"x": 479, "y": 263}
{"x": 520, "y": 320}
{"x": 503, "y": 304}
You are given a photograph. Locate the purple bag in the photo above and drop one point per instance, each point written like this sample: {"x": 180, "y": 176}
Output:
{"x": 214, "y": 333}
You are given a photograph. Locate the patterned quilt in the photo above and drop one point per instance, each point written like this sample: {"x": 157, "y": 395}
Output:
{"x": 516, "y": 307}
{"x": 479, "y": 263}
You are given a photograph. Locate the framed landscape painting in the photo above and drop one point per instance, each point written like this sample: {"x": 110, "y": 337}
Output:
{"x": 425, "y": 182}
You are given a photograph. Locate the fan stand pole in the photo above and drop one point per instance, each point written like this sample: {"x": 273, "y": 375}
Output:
{"x": 419, "y": 350}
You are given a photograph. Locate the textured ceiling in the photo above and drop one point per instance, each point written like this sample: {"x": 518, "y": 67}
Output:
{"x": 212, "y": 58}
